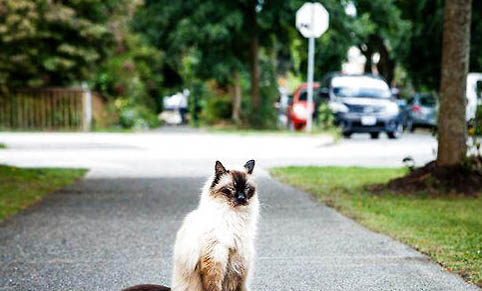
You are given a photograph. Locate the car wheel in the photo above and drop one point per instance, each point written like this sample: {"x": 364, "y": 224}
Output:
{"x": 347, "y": 134}
{"x": 397, "y": 133}
{"x": 374, "y": 135}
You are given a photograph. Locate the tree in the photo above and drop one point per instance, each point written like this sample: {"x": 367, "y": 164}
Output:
{"x": 220, "y": 35}
{"x": 384, "y": 32}
{"x": 252, "y": 28}
{"x": 130, "y": 74}
{"x": 424, "y": 57}
{"x": 476, "y": 38}
{"x": 206, "y": 35}
{"x": 228, "y": 38}
{"x": 46, "y": 42}
{"x": 452, "y": 146}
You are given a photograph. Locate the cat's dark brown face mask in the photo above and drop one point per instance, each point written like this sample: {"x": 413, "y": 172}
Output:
{"x": 235, "y": 187}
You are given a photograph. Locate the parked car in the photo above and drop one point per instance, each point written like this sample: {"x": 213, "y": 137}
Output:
{"x": 474, "y": 94}
{"x": 298, "y": 109}
{"x": 362, "y": 104}
{"x": 420, "y": 111}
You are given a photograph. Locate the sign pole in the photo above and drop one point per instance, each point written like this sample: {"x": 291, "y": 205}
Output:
{"x": 312, "y": 21}
{"x": 311, "y": 60}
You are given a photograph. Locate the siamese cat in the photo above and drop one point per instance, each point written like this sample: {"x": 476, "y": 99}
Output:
{"x": 214, "y": 248}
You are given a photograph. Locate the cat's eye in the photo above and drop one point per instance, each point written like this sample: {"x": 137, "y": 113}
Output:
{"x": 226, "y": 191}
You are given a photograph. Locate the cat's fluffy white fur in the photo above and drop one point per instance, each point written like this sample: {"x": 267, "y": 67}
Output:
{"x": 214, "y": 220}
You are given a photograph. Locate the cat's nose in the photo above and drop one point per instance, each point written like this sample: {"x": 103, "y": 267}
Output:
{"x": 241, "y": 197}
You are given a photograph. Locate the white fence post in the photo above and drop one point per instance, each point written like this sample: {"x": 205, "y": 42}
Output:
{"x": 87, "y": 108}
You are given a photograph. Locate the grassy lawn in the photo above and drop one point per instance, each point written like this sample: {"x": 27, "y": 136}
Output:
{"x": 448, "y": 229}
{"x": 21, "y": 187}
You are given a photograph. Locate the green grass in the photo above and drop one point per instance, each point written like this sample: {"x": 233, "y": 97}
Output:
{"x": 2, "y": 146}
{"x": 21, "y": 187}
{"x": 448, "y": 229}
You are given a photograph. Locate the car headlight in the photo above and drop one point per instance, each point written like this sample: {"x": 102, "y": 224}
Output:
{"x": 338, "y": 107}
{"x": 300, "y": 111}
{"x": 391, "y": 109}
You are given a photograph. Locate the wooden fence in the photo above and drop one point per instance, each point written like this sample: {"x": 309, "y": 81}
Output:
{"x": 45, "y": 109}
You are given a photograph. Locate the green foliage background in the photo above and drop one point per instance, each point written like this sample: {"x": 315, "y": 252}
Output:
{"x": 133, "y": 53}
{"x": 46, "y": 42}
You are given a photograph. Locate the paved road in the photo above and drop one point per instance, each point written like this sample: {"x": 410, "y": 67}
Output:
{"x": 116, "y": 227}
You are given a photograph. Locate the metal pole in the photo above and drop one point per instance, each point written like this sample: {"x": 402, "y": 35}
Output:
{"x": 311, "y": 60}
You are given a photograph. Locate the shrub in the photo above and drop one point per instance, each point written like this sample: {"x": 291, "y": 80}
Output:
{"x": 217, "y": 108}
{"x": 264, "y": 116}
{"x": 325, "y": 119}
{"x": 135, "y": 116}
{"x": 128, "y": 81}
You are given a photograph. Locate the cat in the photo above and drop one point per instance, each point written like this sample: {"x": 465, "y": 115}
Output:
{"x": 214, "y": 248}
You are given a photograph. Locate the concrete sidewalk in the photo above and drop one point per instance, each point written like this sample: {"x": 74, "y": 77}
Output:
{"x": 116, "y": 228}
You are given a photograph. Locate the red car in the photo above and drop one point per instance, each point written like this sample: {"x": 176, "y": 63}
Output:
{"x": 297, "y": 111}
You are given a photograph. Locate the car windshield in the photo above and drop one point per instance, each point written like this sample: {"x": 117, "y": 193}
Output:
{"x": 317, "y": 96}
{"x": 428, "y": 101}
{"x": 361, "y": 92}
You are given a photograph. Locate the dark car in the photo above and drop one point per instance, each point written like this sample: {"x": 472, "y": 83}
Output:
{"x": 363, "y": 104}
{"x": 420, "y": 111}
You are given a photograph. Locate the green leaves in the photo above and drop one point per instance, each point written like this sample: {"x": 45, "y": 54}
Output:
{"x": 380, "y": 28}
{"x": 51, "y": 43}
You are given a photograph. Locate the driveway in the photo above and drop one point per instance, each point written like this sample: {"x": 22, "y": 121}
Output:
{"x": 116, "y": 227}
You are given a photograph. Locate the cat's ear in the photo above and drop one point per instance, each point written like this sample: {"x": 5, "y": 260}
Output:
{"x": 249, "y": 166}
{"x": 219, "y": 169}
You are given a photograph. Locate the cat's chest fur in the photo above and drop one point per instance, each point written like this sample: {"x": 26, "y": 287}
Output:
{"x": 235, "y": 232}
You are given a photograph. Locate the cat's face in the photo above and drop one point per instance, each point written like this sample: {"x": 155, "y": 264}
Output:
{"x": 234, "y": 187}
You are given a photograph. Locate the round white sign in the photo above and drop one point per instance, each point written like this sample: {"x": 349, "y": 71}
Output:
{"x": 312, "y": 20}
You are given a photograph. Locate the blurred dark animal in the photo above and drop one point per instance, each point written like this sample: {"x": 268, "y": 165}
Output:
{"x": 147, "y": 287}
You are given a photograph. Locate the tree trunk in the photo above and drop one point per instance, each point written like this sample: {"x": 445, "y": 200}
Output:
{"x": 368, "y": 56}
{"x": 254, "y": 62}
{"x": 452, "y": 137}
{"x": 386, "y": 66}
{"x": 236, "y": 98}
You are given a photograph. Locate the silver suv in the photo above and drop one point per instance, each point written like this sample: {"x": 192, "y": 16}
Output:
{"x": 362, "y": 103}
